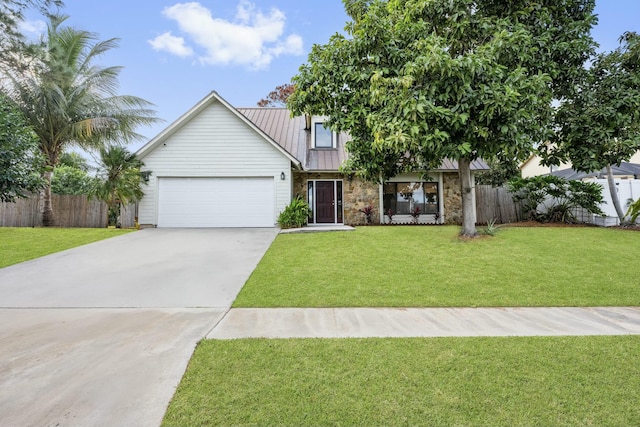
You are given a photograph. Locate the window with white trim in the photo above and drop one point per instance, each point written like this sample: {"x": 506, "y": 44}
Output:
{"x": 321, "y": 136}
{"x": 404, "y": 197}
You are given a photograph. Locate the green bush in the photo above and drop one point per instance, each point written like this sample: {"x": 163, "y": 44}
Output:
{"x": 634, "y": 210}
{"x": 295, "y": 215}
{"x": 71, "y": 180}
{"x": 553, "y": 199}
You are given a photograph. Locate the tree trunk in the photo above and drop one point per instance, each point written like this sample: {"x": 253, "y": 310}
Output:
{"x": 48, "y": 219}
{"x": 614, "y": 194}
{"x": 466, "y": 190}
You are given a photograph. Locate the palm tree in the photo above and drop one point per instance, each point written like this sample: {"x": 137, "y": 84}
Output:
{"x": 12, "y": 41}
{"x": 119, "y": 179}
{"x": 68, "y": 100}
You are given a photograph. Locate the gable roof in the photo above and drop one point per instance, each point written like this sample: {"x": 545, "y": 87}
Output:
{"x": 290, "y": 133}
{"x": 625, "y": 169}
{"x": 197, "y": 109}
{"x": 285, "y": 133}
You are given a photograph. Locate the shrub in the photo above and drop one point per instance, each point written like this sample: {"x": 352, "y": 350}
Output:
{"x": 295, "y": 215}
{"x": 71, "y": 180}
{"x": 553, "y": 199}
{"x": 368, "y": 213}
{"x": 436, "y": 218}
{"x": 492, "y": 228}
{"x": 415, "y": 214}
{"x": 390, "y": 214}
{"x": 634, "y": 211}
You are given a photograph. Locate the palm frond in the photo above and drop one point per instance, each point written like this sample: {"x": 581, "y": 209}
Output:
{"x": 70, "y": 100}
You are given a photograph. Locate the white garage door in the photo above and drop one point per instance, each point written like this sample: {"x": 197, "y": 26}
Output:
{"x": 216, "y": 202}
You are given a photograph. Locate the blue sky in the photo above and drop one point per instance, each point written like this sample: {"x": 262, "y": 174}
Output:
{"x": 175, "y": 52}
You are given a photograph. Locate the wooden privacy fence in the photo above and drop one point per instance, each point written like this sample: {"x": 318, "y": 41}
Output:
{"x": 69, "y": 211}
{"x": 496, "y": 204}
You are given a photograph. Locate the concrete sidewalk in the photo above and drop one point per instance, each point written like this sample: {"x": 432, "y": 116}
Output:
{"x": 425, "y": 322}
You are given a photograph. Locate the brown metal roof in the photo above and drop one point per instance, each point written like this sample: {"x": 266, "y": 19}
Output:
{"x": 280, "y": 126}
{"x": 289, "y": 133}
{"x": 452, "y": 165}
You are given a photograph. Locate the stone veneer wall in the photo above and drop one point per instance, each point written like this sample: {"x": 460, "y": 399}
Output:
{"x": 452, "y": 198}
{"x": 356, "y": 195}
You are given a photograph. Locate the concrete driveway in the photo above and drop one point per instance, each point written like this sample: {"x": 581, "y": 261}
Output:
{"x": 101, "y": 334}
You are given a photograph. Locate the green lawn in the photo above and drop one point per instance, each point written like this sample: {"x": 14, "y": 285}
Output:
{"x": 549, "y": 381}
{"x": 431, "y": 267}
{"x": 22, "y": 244}
{"x": 518, "y": 381}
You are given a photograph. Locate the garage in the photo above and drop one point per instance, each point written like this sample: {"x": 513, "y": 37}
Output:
{"x": 213, "y": 167}
{"x": 216, "y": 202}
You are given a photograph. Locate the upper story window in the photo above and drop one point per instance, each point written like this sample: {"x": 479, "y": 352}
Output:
{"x": 321, "y": 136}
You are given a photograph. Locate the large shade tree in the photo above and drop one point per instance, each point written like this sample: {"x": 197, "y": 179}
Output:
{"x": 69, "y": 100}
{"x": 599, "y": 126}
{"x": 19, "y": 160}
{"x": 277, "y": 97}
{"x": 418, "y": 81}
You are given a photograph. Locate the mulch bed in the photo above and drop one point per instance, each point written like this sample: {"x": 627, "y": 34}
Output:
{"x": 544, "y": 224}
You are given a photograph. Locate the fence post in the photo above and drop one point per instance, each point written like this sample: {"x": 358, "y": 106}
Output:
{"x": 499, "y": 205}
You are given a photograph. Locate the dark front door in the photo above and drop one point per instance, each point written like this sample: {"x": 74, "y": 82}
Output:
{"x": 325, "y": 202}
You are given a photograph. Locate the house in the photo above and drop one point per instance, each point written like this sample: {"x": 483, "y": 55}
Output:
{"x": 533, "y": 166}
{"x": 220, "y": 166}
{"x": 626, "y": 179}
{"x": 626, "y": 170}
{"x": 627, "y": 184}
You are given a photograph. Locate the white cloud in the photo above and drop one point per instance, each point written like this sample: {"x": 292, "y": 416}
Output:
{"x": 252, "y": 39}
{"x": 172, "y": 44}
{"x": 32, "y": 27}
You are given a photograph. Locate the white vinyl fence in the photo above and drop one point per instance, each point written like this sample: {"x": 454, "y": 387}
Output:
{"x": 628, "y": 191}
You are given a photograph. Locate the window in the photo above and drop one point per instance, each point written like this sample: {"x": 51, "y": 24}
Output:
{"x": 403, "y": 197}
{"x": 310, "y": 200}
{"x": 339, "y": 201}
{"x": 322, "y": 137}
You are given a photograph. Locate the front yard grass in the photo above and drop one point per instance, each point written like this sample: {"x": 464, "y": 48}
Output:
{"x": 554, "y": 381}
{"x": 22, "y": 244}
{"x": 432, "y": 267}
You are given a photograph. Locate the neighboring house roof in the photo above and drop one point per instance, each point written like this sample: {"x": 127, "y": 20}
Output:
{"x": 625, "y": 169}
{"x": 533, "y": 166}
{"x": 197, "y": 109}
{"x": 289, "y": 132}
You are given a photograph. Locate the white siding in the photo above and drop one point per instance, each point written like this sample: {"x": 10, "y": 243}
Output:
{"x": 215, "y": 143}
